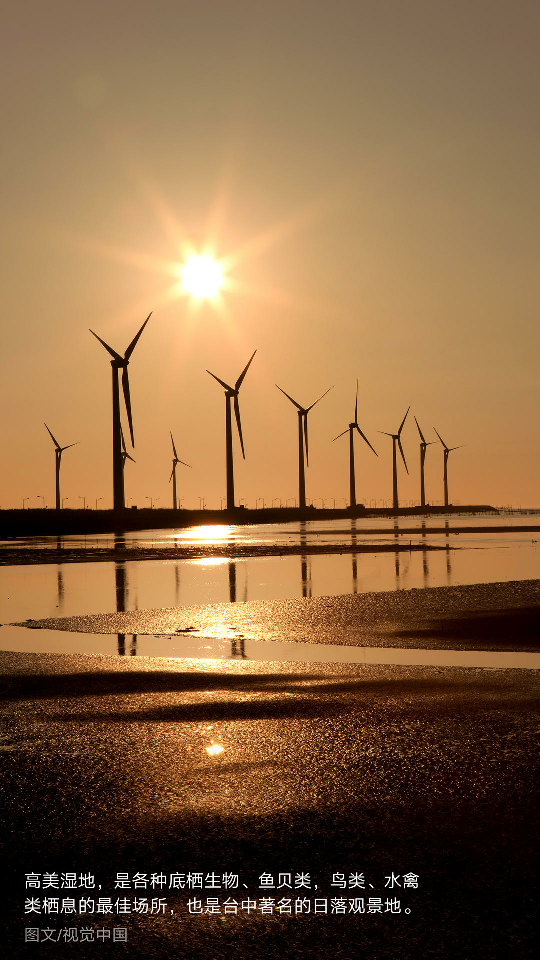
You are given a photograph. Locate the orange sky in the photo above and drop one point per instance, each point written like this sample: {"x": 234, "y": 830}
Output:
{"x": 369, "y": 171}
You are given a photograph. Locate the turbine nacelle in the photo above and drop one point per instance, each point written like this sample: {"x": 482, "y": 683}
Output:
{"x": 58, "y": 449}
{"x": 121, "y": 363}
{"x": 397, "y": 436}
{"x": 303, "y": 414}
{"x": 447, "y": 449}
{"x": 125, "y": 454}
{"x": 176, "y": 460}
{"x": 232, "y": 393}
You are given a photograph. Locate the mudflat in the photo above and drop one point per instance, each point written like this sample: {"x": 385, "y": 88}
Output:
{"x": 486, "y": 616}
{"x": 398, "y": 804}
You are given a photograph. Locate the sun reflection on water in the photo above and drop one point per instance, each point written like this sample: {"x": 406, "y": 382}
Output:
{"x": 209, "y": 561}
{"x": 209, "y": 535}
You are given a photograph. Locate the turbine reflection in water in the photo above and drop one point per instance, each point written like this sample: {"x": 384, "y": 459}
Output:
{"x": 305, "y": 564}
{"x": 120, "y": 578}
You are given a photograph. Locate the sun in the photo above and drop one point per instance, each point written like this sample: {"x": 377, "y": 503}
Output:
{"x": 202, "y": 276}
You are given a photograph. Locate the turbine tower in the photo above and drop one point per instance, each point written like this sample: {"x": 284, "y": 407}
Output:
{"x": 231, "y": 393}
{"x": 302, "y": 444}
{"x": 447, "y": 451}
{"x": 58, "y": 451}
{"x": 173, "y": 473}
{"x": 120, "y": 363}
{"x": 351, "y": 428}
{"x": 396, "y": 442}
{"x": 423, "y": 447}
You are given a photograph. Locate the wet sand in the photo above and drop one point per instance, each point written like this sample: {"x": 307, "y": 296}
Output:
{"x": 91, "y": 554}
{"x": 496, "y": 616}
{"x": 325, "y": 769}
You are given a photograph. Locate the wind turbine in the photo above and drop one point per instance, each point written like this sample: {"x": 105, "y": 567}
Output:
{"x": 396, "y": 442}
{"x": 125, "y": 454}
{"x": 120, "y": 363}
{"x": 302, "y": 444}
{"x": 231, "y": 393}
{"x": 447, "y": 451}
{"x": 173, "y": 473}
{"x": 423, "y": 446}
{"x": 58, "y": 451}
{"x": 351, "y": 428}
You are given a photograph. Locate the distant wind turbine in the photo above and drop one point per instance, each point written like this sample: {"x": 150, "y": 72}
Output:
{"x": 423, "y": 447}
{"x": 231, "y": 393}
{"x": 125, "y": 454}
{"x": 302, "y": 444}
{"x": 396, "y": 442}
{"x": 447, "y": 452}
{"x": 58, "y": 450}
{"x": 350, "y": 429}
{"x": 173, "y": 472}
{"x": 120, "y": 363}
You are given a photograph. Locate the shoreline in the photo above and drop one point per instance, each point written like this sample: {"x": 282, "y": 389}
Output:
{"x": 45, "y": 522}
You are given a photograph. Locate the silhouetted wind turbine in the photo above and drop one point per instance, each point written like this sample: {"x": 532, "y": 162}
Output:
{"x": 173, "y": 473}
{"x": 231, "y": 393}
{"x": 351, "y": 428}
{"x": 447, "y": 451}
{"x": 125, "y": 454}
{"x": 396, "y": 441}
{"x": 58, "y": 451}
{"x": 120, "y": 363}
{"x": 302, "y": 442}
{"x": 423, "y": 446}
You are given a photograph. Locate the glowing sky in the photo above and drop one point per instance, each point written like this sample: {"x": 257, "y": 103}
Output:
{"x": 368, "y": 174}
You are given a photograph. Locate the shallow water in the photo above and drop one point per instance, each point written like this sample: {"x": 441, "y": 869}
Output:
{"x": 67, "y": 589}
{"x": 218, "y": 649}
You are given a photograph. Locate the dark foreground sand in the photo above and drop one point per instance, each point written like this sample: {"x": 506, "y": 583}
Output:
{"x": 326, "y": 769}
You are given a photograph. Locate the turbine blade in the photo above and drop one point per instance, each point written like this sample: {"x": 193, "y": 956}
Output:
{"x": 341, "y": 434}
{"x": 239, "y": 382}
{"x": 419, "y": 431}
{"x": 185, "y": 464}
{"x": 403, "y": 421}
{"x": 112, "y": 352}
{"x": 441, "y": 439}
{"x": 402, "y": 454}
{"x": 124, "y": 450}
{"x": 297, "y": 405}
{"x": 129, "y": 458}
{"x": 172, "y": 474}
{"x": 306, "y": 437}
{"x": 125, "y": 388}
{"x": 238, "y": 422}
{"x": 320, "y": 398}
{"x": 388, "y": 434}
{"x": 457, "y": 448}
{"x": 356, "y": 404}
{"x": 222, "y": 382}
{"x": 173, "y": 446}
{"x": 133, "y": 343}
{"x": 366, "y": 439}
{"x": 69, "y": 445}
{"x": 57, "y": 445}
